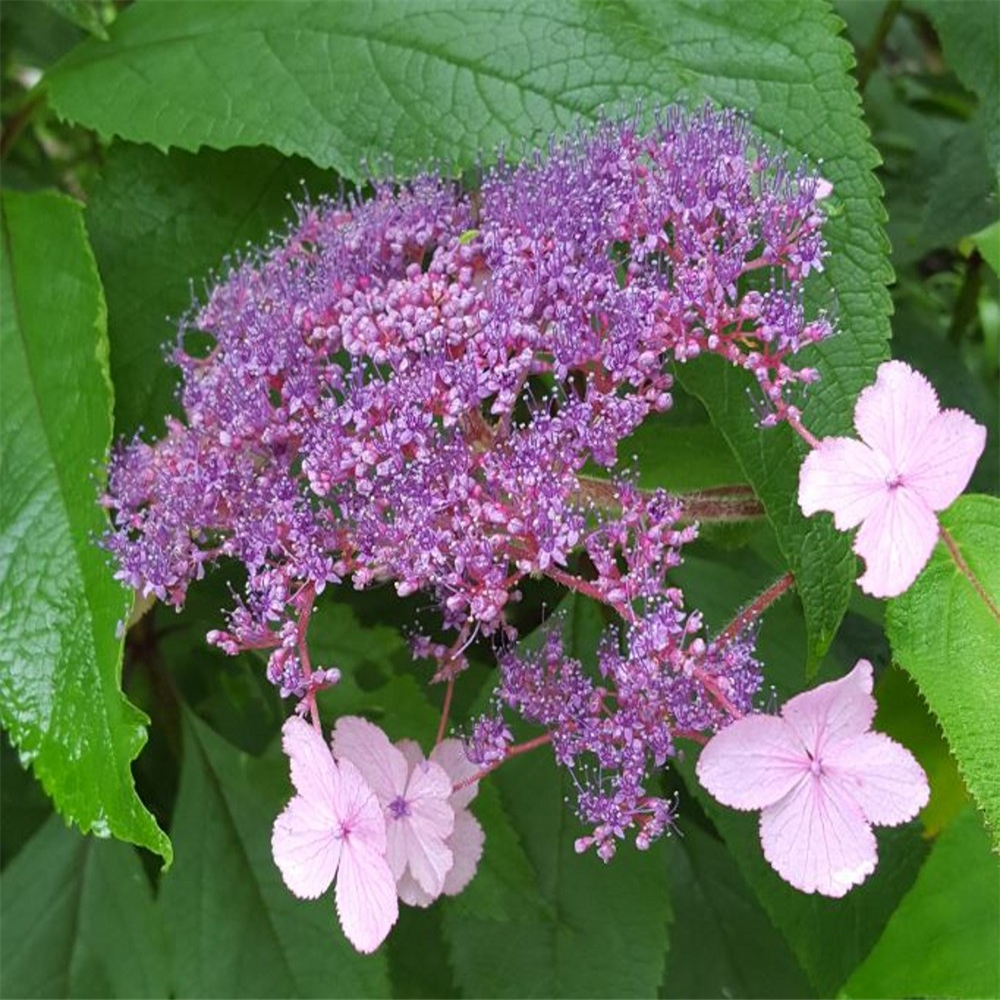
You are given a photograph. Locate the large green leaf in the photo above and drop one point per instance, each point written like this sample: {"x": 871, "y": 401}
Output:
{"x": 157, "y": 223}
{"x": 945, "y": 632}
{"x": 237, "y": 931}
{"x": 59, "y": 606}
{"x": 942, "y": 940}
{"x": 723, "y": 944}
{"x": 78, "y": 920}
{"x": 545, "y": 920}
{"x": 434, "y": 79}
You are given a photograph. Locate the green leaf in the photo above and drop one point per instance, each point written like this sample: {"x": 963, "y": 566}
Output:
{"x": 157, "y": 223}
{"x": 942, "y": 940}
{"x": 722, "y": 943}
{"x": 237, "y": 931}
{"x": 970, "y": 39}
{"x": 987, "y": 242}
{"x": 945, "y": 632}
{"x": 84, "y": 14}
{"x": 829, "y": 937}
{"x": 78, "y": 920}
{"x": 903, "y": 715}
{"x": 553, "y": 917}
{"x": 439, "y": 80}
{"x": 61, "y": 674}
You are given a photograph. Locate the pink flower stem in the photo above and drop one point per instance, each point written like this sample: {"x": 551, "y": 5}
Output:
{"x": 588, "y": 590}
{"x": 963, "y": 567}
{"x": 514, "y": 751}
{"x": 691, "y": 734}
{"x": 806, "y": 435}
{"x": 722, "y": 503}
{"x": 445, "y": 709}
{"x": 306, "y": 598}
{"x": 756, "y": 608}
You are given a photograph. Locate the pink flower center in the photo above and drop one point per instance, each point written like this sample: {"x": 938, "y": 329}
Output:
{"x": 399, "y": 808}
{"x": 894, "y": 481}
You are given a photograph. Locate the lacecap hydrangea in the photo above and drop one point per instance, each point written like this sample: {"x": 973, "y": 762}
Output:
{"x": 428, "y": 384}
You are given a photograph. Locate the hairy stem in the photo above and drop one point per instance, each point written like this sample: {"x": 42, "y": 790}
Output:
{"x": 721, "y": 503}
{"x": 514, "y": 751}
{"x": 756, "y": 608}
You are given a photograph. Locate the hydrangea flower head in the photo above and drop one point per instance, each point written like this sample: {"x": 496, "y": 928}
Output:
{"x": 821, "y": 779}
{"x": 333, "y": 829}
{"x": 913, "y": 460}
{"x": 414, "y": 797}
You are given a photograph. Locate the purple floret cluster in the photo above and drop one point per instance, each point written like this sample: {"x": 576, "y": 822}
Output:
{"x": 429, "y": 386}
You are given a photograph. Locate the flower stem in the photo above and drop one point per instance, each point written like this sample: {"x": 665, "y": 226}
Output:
{"x": 514, "y": 751}
{"x": 722, "y": 503}
{"x": 756, "y": 608}
{"x": 806, "y": 435}
{"x": 445, "y": 709}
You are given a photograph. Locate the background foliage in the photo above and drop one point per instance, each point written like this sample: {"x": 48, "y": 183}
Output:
{"x": 171, "y": 156}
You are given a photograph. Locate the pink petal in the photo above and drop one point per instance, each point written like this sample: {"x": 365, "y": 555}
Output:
{"x": 947, "y": 456}
{"x": 411, "y": 751}
{"x": 753, "y": 762}
{"x": 313, "y": 770}
{"x": 382, "y": 766}
{"x": 817, "y": 839}
{"x": 396, "y": 847}
{"x": 838, "y": 710}
{"x": 892, "y": 415}
{"x": 450, "y": 754}
{"x": 466, "y": 843}
{"x": 427, "y": 827}
{"x": 882, "y": 777}
{"x": 895, "y": 542}
{"x": 306, "y": 847}
{"x": 409, "y": 891}
{"x": 843, "y": 476}
{"x": 359, "y": 808}
{"x": 366, "y": 896}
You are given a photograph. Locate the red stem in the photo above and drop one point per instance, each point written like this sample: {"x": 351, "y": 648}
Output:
{"x": 806, "y": 435}
{"x": 588, "y": 590}
{"x": 513, "y": 751}
{"x": 445, "y": 709}
{"x": 756, "y": 608}
{"x": 309, "y": 596}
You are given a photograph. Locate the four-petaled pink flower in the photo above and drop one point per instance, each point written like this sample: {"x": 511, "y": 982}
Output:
{"x": 334, "y": 828}
{"x": 414, "y": 797}
{"x": 466, "y": 839}
{"x": 821, "y": 779}
{"x": 913, "y": 459}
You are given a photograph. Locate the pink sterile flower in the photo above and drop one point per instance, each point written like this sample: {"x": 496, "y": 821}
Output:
{"x": 333, "y": 828}
{"x": 414, "y": 799}
{"x": 466, "y": 839}
{"x": 821, "y": 779}
{"x": 913, "y": 459}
